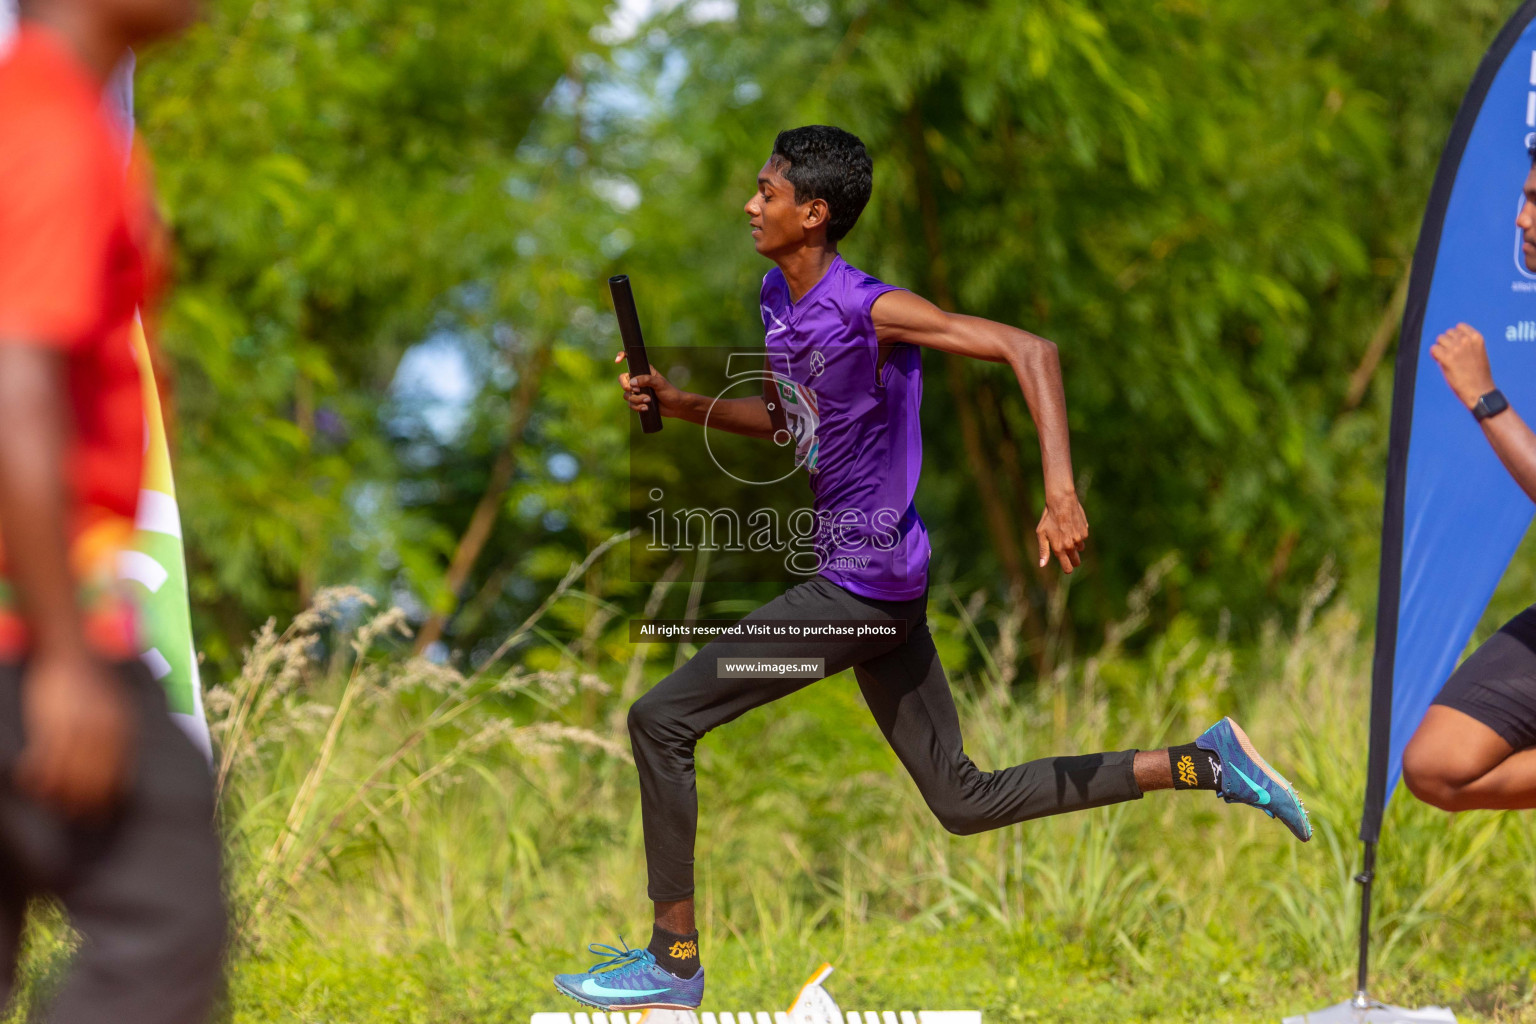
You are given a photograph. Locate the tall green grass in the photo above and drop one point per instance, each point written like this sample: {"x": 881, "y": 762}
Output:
{"x": 412, "y": 843}
{"x": 391, "y": 805}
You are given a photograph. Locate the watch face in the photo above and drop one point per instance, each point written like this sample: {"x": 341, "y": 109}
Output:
{"x": 1491, "y": 404}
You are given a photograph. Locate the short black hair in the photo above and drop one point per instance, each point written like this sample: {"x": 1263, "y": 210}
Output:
{"x": 830, "y": 164}
{"x": 1530, "y": 148}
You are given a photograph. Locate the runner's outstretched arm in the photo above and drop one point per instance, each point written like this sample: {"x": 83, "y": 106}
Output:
{"x": 901, "y": 316}
{"x": 747, "y": 416}
{"x": 1463, "y": 358}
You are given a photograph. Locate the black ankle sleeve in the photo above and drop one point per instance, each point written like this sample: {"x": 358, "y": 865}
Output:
{"x": 678, "y": 954}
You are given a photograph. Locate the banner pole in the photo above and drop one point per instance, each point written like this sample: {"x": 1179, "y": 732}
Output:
{"x": 1366, "y": 876}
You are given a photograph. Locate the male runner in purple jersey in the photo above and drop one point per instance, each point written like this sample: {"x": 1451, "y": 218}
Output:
{"x": 843, "y": 350}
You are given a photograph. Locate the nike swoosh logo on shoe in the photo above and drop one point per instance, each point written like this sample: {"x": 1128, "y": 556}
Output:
{"x": 1260, "y": 790}
{"x": 595, "y": 988}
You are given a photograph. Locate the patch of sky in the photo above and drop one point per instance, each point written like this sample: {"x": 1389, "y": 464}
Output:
{"x": 630, "y": 16}
{"x": 564, "y": 97}
{"x": 403, "y": 598}
{"x": 620, "y": 99}
{"x": 617, "y": 191}
{"x": 534, "y": 153}
{"x": 499, "y": 373}
{"x": 523, "y": 189}
{"x": 627, "y": 17}
{"x": 351, "y": 610}
{"x": 616, "y": 243}
{"x": 674, "y": 68}
{"x": 474, "y": 296}
{"x": 634, "y": 89}
{"x": 562, "y": 466}
{"x": 435, "y": 383}
{"x": 702, "y": 12}
{"x": 421, "y": 455}
{"x": 368, "y": 504}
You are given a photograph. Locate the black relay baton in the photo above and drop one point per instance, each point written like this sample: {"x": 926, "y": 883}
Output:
{"x": 634, "y": 346}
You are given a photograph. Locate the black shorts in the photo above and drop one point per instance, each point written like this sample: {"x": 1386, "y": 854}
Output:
{"x": 143, "y": 887}
{"x": 1497, "y": 684}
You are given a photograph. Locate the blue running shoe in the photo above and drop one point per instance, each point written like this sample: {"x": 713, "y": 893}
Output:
{"x": 631, "y": 979}
{"x": 1243, "y": 777}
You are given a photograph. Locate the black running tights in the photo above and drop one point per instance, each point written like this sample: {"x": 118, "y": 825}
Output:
{"x": 906, "y": 690}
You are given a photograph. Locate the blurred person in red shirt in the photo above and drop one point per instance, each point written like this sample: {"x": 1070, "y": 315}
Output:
{"x": 104, "y": 803}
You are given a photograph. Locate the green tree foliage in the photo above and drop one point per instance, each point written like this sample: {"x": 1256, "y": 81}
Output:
{"x": 344, "y": 179}
{"x": 1209, "y": 206}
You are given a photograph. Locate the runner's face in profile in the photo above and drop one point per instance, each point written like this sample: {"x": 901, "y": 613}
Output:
{"x": 776, "y": 221}
{"x": 1526, "y": 222}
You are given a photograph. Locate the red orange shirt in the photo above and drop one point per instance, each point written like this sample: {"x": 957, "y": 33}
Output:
{"x": 74, "y": 272}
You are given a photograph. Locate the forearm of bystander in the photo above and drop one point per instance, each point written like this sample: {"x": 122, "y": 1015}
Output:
{"x": 75, "y": 717}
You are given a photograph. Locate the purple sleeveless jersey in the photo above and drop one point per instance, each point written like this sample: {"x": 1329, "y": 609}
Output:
{"x": 857, "y": 437}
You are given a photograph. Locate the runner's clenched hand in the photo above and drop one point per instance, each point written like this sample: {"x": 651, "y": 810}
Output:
{"x": 1463, "y": 358}
{"x": 667, "y": 396}
{"x": 1063, "y": 531}
{"x": 79, "y": 734}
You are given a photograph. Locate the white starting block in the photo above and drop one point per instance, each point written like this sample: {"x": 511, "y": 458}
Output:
{"x": 812, "y": 1006}
{"x": 757, "y": 1017}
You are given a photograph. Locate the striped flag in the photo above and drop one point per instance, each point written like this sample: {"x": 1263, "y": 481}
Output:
{"x": 156, "y": 560}
{"x": 158, "y": 563}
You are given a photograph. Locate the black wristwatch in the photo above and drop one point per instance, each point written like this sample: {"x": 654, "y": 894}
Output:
{"x": 1490, "y": 404}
